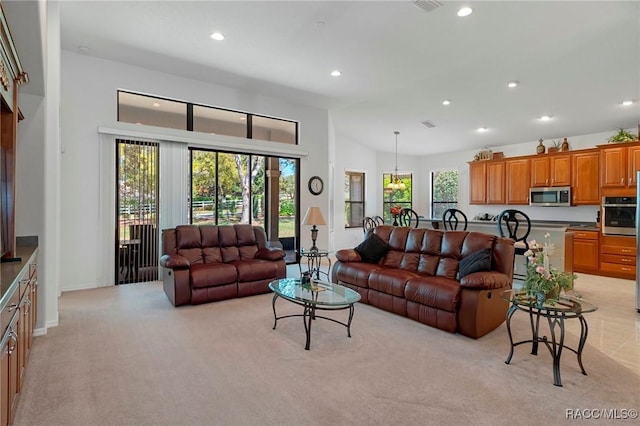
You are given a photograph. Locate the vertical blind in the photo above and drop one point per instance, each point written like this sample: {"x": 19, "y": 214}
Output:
{"x": 136, "y": 211}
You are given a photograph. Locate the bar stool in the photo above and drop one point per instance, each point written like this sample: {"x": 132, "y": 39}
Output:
{"x": 516, "y": 225}
{"x": 452, "y": 217}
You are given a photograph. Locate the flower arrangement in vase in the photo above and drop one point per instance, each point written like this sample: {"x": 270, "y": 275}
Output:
{"x": 395, "y": 212}
{"x": 543, "y": 281}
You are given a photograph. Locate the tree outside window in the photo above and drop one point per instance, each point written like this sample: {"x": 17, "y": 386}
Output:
{"x": 444, "y": 191}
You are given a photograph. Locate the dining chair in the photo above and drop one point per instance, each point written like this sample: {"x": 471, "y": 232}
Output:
{"x": 408, "y": 217}
{"x": 452, "y": 218}
{"x": 370, "y": 222}
{"x": 516, "y": 225}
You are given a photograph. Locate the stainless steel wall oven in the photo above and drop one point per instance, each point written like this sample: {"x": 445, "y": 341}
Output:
{"x": 619, "y": 215}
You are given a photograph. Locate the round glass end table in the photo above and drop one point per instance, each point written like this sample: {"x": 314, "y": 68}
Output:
{"x": 314, "y": 260}
{"x": 567, "y": 307}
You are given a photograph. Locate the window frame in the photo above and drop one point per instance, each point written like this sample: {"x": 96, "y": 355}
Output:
{"x": 450, "y": 203}
{"x": 348, "y": 224}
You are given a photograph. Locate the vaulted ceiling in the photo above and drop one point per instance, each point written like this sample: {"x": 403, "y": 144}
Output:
{"x": 575, "y": 61}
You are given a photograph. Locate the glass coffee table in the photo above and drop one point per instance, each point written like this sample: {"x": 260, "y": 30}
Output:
{"x": 566, "y": 308}
{"x": 314, "y": 296}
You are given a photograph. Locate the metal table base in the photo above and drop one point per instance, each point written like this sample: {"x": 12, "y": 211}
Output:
{"x": 309, "y": 314}
{"x": 556, "y": 345}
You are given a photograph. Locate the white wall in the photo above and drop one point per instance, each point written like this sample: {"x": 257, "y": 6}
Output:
{"x": 353, "y": 157}
{"x": 30, "y": 170}
{"x": 89, "y": 100}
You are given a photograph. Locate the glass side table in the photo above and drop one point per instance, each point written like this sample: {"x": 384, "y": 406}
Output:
{"x": 567, "y": 307}
{"x": 314, "y": 261}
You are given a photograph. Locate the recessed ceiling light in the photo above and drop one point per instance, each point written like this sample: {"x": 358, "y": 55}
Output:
{"x": 335, "y": 73}
{"x": 513, "y": 83}
{"x": 156, "y": 104}
{"x": 465, "y": 11}
{"x": 627, "y": 103}
{"x": 139, "y": 124}
{"x": 545, "y": 118}
{"x": 446, "y": 102}
{"x": 482, "y": 129}
{"x": 217, "y": 36}
{"x": 243, "y": 118}
{"x": 83, "y": 49}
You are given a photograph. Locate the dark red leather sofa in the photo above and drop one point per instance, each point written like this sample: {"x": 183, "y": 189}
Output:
{"x": 416, "y": 278}
{"x": 207, "y": 263}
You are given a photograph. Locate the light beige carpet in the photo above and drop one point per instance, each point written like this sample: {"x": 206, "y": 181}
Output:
{"x": 124, "y": 356}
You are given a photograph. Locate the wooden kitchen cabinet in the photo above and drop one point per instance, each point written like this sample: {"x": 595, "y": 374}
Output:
{"x": 618, "y": 256}
{"x": 478, "y": 182}
{"x": 487, "y": 182}
{"x": 585, "y": 251}
{"x": 496, "y": 182}
{"x": 17, "y": 319}
{"x": 585, "y": 166}
{"x": 518, "y": 178}
{"x": 618, "y": 166}
{"x": 551, "y": 170}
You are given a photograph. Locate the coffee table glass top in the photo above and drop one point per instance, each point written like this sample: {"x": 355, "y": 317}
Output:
{"x": 317, "y": 293}
{"x": 318, "y": 252}
{"x": 566, "y": 303}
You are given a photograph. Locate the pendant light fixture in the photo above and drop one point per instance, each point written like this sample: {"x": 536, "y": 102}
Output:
{"x": 396, "y": 184}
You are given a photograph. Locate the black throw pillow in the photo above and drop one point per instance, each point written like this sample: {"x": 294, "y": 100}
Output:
{"x": 475, "y": 262}
{"x": 372, "y": 249}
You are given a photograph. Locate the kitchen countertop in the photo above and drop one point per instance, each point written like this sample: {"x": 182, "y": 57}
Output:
{"x": 573, "y": 226}
{"x": 9, "y": 271}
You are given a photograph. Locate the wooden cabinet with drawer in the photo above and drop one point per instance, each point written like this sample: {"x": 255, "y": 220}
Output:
{"x": 618, "y": 256}
{"x": 585, "y": 251}
{"x": 17, "y": 321}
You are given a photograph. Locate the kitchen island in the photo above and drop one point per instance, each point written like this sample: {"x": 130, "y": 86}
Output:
{"x": 560, "y": 235}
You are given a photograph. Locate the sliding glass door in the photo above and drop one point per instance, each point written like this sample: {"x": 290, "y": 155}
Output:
{"x": 229, "y": 188}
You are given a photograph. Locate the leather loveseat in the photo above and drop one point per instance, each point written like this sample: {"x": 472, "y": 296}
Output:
{"x": 418, "y": 277}
{"x": 206, "y": 263}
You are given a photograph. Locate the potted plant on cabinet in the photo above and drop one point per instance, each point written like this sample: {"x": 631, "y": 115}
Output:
{"x": 622, "y": 136}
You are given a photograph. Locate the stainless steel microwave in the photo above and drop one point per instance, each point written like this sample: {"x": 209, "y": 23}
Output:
{"x": 550, "y": 197}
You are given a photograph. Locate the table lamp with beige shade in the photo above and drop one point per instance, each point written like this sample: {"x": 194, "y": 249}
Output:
{"x": 313, "y": 217}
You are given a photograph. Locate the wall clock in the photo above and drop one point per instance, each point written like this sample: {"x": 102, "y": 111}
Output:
{"x": 316, "y": 185}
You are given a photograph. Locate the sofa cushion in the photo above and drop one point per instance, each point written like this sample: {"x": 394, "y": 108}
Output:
{"x": 390, "y": 281}
{"x": 213, "y": 274}
{"x": 255, "y": 269}
{"x": 477, "y": 261}
{"x": 372, "y": 249}
{"x": 354, "y": 273}
{"x": 437, "y": 292}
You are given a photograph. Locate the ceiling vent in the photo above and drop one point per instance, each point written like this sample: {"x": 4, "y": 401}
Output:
{"x": 427, "y": 5}
{"x": 428, "y": 124}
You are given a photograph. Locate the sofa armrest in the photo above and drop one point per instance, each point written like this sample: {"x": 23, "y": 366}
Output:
{"x": 487, "y": 280}
{"x": 348, "y": 255}
{"x": 270, "y": 254}
{"x": 174, "y": 261}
